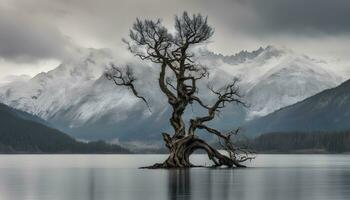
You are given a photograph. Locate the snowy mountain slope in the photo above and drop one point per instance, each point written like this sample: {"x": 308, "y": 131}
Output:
{"x": 279, "y": 77}
{"x": 328, "y": 110}
{"x": 291, "y": 79}
{"x": 47, "y": 93}
{"x": 78, "y": 99}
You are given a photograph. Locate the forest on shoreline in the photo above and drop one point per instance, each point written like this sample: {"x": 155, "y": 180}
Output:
{"x": 300, "y": 142}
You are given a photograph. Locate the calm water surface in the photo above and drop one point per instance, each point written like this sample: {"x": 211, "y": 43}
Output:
{"x": 117, "y": 177}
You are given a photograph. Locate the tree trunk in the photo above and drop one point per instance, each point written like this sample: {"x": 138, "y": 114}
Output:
{"x": 182, "y": 148}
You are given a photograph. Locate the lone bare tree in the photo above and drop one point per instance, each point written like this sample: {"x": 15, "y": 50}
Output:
{"x": 150, "y": 40}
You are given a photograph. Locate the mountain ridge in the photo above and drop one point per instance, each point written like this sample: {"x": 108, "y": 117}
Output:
{"x": 328, "y": 110}
{"x": 76, "y": 98}
{"x": 20, "y": 134}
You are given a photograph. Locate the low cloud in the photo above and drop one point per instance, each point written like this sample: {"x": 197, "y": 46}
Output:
{"x": 27, "y": 39}
{"x": 300, "y": 16}
{"x": 36, "y": 29}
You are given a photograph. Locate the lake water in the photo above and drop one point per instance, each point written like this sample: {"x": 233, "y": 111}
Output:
{"x": 117, "y": 177}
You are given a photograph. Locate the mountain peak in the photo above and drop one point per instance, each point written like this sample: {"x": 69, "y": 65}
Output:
{"x": 240, "y": 57}
{"x": 273, "y": 52}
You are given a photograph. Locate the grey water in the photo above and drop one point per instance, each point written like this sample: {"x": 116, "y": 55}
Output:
{"x": 118, "y": 177}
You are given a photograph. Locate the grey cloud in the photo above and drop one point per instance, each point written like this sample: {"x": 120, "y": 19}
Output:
{"x": 108, "y": 19}
{"x": 27, "y": 39}
{"x": 300, "y": 16}
{"x": 239, "y": 24}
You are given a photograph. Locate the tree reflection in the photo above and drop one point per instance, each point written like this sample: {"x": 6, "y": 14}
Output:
{"x": 179, "y": 184}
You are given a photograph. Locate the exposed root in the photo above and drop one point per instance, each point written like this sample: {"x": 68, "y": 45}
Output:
{"x": 182, "y": 148}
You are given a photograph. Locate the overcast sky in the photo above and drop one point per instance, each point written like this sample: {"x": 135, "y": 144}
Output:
{"x": 35, "y": 34}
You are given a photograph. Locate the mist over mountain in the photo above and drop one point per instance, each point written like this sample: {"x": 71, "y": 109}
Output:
{"x": 235, "y": 59}
{"x": 273, "y": 78}
{"x": 76, "y": 97}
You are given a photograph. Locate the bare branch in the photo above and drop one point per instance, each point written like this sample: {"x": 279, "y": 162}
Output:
{"x": 213, "y": 131}
{"x": 151, "y": 41}
{"x": 169, "y": 81}
{"x": 227, "y": 94}
{"x": 235, "y": 153}
{"x": 125, "y": 78}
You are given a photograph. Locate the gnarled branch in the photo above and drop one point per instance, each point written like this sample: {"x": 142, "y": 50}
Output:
{"x": 151, "y": 41}
{"x": 125, "y": 78}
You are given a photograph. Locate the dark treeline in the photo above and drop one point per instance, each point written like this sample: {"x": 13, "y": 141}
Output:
{"x": 297, "y": 142}
{"x": 67, "y": 147}
{"x": 19, "y": 135}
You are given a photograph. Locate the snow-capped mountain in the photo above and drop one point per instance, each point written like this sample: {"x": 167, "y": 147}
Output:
{"x": 78, "y": 99}
{"x": 48, "y": 93}
{"x": 280, "y": 77}
{"x": 272, "y": 78}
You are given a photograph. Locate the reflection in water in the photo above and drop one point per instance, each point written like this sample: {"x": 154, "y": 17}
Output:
{"x": 91, "y": 185}
{"x": 179, "y": 184}
{"x": 105, "y": 177}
